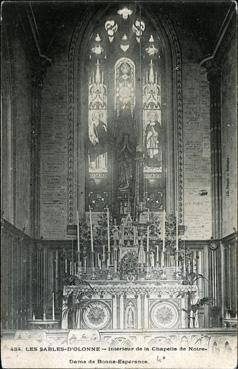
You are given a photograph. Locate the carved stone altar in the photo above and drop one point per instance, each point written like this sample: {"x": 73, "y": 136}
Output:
{"x": 129, "y": 305}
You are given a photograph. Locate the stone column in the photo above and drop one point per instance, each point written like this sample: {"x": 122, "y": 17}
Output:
{"x": 114, "y": 311}
{"x": 206, "y": 284}
{"x": 139, "y": 311}
{"x": 122, "y": 311}
{"x": 214, "y": 77}
{"x": 37, "y": 76}
{"x": 146, "y": 311}
{"x": 222, "y": 280}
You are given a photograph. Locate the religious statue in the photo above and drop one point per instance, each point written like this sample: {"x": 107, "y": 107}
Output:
{"x": 153, "y": 141}
{"x": 130, "y": 317}
{"x": 125, "y": 140}
{"x": 97, "y": 135}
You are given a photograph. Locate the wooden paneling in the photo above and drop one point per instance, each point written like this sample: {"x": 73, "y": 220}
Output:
{"x": 16, "y": 279}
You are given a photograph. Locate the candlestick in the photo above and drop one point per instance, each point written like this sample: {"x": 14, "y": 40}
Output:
{"x": 78, "y": 239}
{"x": 122, "y": 234}
{"x": 53, "y": 306}
{"x": 148, "y": 233}
{"x": 184, "y": 261}
{"x": 176, "y": 239}
{"x": 108, "y": 231}
{"x": 164, "y": 234}
{"x": 91, "y": 228}
{"x": 72, "y": 251}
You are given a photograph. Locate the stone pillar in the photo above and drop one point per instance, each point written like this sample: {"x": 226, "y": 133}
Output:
{"x": 206, "y": 284}
{"x": 214, "y": 77}
{"x": 37, "y": 76}
{"x": 122, "y": 311}
{"x": 222, "y": 280}
{"x": 146, "y": 311}
{"x": 114, "y": 311}
{"x": 139, "y": 311}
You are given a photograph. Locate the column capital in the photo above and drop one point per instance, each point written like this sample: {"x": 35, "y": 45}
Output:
{"x": 213, "y": 71}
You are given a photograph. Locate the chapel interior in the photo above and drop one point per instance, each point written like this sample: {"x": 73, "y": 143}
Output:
{"x": 119, "y": 169}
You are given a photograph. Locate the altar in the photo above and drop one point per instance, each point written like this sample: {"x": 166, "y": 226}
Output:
{"x": 134, "y": 275}
{"x": 131, "y": 305}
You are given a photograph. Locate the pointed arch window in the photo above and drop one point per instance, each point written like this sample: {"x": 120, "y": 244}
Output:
{"x": 124, "y": 75}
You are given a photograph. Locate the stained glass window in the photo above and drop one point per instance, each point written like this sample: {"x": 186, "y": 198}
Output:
{"x": 124, "y": 98}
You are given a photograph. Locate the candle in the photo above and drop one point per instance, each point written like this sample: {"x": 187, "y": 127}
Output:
{"x": 53, "y": 306}
{"x": 134, "y": 235}
{"x": 91, "y": 228}
{"x": 33, "y": 317}
{"x": 98, "y": 261}
{"x": 157, "y": 254}
{"x": 85, "y": 264}
{"x": 66, "y": 266}
{"x": 115, "y": 265}
{"x": 108, "y": 231}
{"x": 103, "y": 253}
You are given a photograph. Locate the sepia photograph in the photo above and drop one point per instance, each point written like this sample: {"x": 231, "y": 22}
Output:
{"x": 119, "y": 184}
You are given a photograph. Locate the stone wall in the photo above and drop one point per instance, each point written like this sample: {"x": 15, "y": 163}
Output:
{"x": 197, "y": 163}
{"x": 53, "y": 151}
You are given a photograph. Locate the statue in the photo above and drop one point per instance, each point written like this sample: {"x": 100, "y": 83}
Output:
{"x": 125, "y": 140}
{"x": 97, "y": 136}
{"x": 130, "y": 317}
{"x": 153, "y": 141}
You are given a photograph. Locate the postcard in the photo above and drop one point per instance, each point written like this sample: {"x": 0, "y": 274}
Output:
{"x": 119, "y": 184}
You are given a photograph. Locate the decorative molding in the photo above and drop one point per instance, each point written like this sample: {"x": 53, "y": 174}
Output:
{"x": 178, "y": 122}
{"x": 133, "y": 288}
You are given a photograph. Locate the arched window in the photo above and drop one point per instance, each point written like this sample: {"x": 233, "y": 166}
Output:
{"x": 124, "y": 116}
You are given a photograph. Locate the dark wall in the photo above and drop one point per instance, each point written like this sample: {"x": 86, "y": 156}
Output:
{"x": 16, "y": 128}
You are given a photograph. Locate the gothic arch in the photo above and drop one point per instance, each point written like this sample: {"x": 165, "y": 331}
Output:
{"x": 172, "y": 107}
